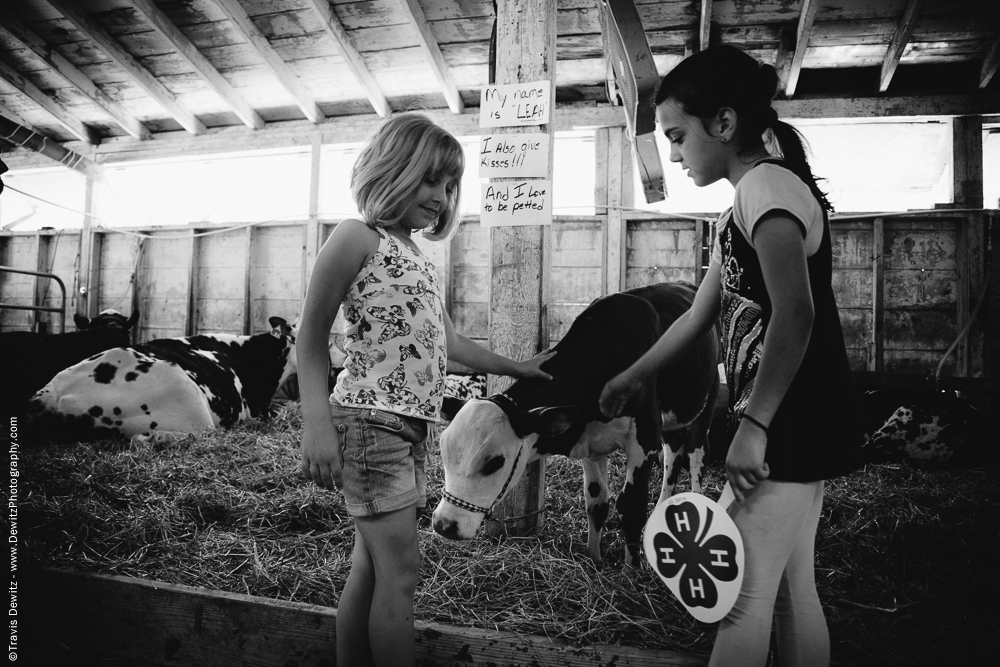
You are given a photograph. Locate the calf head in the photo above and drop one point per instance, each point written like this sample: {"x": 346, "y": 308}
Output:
{"x": 485, "y": 450}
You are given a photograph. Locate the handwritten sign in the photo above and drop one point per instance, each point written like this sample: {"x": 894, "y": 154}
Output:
{"x": 514, "y": 155}
{"x": 516, "y": 203}
{"x": 515, "y": 104}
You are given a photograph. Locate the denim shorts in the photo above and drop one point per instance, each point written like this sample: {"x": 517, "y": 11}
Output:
{"x": 383, "y": 470}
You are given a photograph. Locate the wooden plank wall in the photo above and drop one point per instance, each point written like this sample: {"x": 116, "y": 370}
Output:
{"x": 208, "y": 284}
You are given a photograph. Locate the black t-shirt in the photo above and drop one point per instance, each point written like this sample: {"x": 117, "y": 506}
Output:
{"x": 816, "y": 433}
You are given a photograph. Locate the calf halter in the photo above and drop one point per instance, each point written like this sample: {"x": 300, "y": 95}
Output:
{"x": 505, "y": 403}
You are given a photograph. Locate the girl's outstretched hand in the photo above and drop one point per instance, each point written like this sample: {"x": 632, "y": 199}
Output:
{"x": 531, "y": 368}
{"x": 616, "y": 394}
{"x": 745, "y": 466}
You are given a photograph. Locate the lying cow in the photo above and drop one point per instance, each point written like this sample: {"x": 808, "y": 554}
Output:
{"x": 176, "y": 385}
{"x": 489, "y": 443}
{"x": 29, "y": 360}
{"x": 923, "y": 426}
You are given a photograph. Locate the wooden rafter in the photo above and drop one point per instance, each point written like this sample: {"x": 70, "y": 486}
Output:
{"x": 990, "y": 63}
{"x": 18, "y": 135}
{"x": 272, "y": 59}
{"x": 351, "y": 56}
{"x": 806, "y": 18}
{"x": 208, "y": 73}
{"x": 429, "y": 45}
{"x": 139, "y": 74}
{"x": 786, "y": 50}
{"x": 71, "y": 74}
{"x": 70, "y": 122}
{"x": 899, "y": 41}
{"x": 705, "y": 24}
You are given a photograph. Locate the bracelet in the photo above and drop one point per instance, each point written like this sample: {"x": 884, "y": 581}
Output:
{"x": 755, "y": 423}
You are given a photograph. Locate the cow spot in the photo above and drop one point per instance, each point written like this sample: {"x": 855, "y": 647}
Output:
{"x": 95, "y": 411}
{"x": 594, "y": 489}
{"x": 108, "y": 421}
{"x": 143, "y": 366}
{"x": 152, "y": 425}
{"x": 104, "y": 373}
{"x": 131, "y": 377}
{"x": 117, "y": 411}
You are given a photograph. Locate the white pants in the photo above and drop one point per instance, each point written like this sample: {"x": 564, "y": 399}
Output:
{"x": 777, "y": 522}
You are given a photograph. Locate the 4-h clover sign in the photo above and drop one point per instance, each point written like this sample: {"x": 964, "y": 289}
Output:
{"x": 696, "y": 549}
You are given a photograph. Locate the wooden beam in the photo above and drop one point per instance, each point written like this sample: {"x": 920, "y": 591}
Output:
{"x": 138, "y": 621}
{"x": 200, "y": 63}
{"x": 428, "y": 44}
{"x": 139, "y": 74}
{"x": 272, "y": 59}
{"x": 70, "y": 73}
{"x": 333, "y": 130}
{"x": 21, "y": 136}
{"x": 72, "y": 124}
{"x": 990, "y": 64}
{"x": 526, "y": 52}
{"x": 705, "y": 24}
{"x": 351, "y": 56}
{"x": 899, "y": 41}
{"x": 806, "y": 18}
{"x": 786, "y": 51}
{"x": 344, "y": 129}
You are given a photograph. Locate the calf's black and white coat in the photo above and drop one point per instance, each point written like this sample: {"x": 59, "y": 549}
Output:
{"x": 490, "y": 442}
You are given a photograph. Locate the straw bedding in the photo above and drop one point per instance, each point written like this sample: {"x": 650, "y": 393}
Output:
{"x": 903, "y": 554}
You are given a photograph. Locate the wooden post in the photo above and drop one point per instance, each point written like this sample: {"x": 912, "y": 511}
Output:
{"x": 85, "y": 304}
{"x": 876, "y": 357}
{"x": 614, "y": 185}
{"x": 526, "y": 52}
{"x": 312, "y": 226}
{"x": 967, "y": 147}
{"x": 251, "y": 241}
{"x": 42, "y": 242}
{"x": 194, "y": 261}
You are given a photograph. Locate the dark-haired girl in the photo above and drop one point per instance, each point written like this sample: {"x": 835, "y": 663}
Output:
{"x": 792, "y": 401}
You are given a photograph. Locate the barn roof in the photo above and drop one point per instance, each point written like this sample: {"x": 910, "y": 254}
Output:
{"x": 99, "y": 75}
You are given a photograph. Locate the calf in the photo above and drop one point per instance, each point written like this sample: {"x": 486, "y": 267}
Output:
{"x": 29, "y": 360}
{"x": 489, "y": 443}
{"x": 178, "y": 385}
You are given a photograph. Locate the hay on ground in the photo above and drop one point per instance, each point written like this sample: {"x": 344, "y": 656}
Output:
{"x": 902, "y": 553}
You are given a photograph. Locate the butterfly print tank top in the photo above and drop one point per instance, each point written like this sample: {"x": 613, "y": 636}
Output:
{"x": 394, "y": 335}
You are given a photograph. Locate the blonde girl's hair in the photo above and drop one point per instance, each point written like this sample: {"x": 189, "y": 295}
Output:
{"x": 406, "y": 149}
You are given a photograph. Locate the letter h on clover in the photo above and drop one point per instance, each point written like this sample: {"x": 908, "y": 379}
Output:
{"x": 701, "y": 562}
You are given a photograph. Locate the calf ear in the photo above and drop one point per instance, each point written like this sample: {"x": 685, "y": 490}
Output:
{"x": 81, "y": 321}
{"x": 132, "y": 319}
{"x": 553, "y": 421}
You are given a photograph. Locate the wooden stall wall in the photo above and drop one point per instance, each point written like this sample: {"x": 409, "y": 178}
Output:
{"x": 44, "y": 252}
{"x": 902, "y": 283}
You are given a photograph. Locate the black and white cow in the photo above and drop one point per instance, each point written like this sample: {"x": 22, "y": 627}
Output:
{"x": 170, "y": 385}
{"x": 487, "y": 446}
{"x": 923, "y": 426}
{"x": 29, "y": 360}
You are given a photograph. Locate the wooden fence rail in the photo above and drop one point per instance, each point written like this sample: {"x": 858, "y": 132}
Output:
{"x": 905, "y": 284}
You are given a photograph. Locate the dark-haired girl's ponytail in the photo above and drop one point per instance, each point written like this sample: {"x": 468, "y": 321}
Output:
{"x": 793, "y": 152}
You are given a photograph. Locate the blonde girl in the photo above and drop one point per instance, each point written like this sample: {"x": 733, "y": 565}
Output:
{"x": 366, "y": 439}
